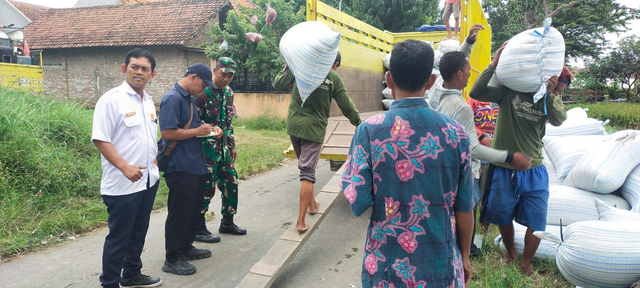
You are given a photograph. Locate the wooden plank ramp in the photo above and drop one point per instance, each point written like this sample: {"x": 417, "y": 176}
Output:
{"x": 267, "y": 270}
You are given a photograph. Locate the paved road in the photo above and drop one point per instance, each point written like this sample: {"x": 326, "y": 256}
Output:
{"x": 268, "y": 205}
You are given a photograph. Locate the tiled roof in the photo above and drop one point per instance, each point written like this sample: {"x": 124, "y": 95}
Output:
{"x": 242, "y": 3}
{"x": 33, "y": 12}
{"x": 234, "y": 3}
{"x": 160, "y": 23}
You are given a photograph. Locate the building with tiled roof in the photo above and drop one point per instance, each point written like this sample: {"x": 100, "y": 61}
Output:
{"x": 84, "y": 47}
{"x": 88, "y": 3}
{"x": 237, "y": 4}
{"x": 31, "y": 11}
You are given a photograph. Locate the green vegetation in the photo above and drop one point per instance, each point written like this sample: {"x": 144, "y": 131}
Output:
{"x": 621, "y": 115}
{"x": 490, "y": 271}
{"x": 50, "y": 171}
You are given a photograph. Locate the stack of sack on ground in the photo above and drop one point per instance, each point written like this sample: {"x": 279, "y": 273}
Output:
{"x": 603, "y": 253}
{"x": 443, "y": 47}
{"x": 566, "y": 144}
{"x": 602, "y": 183}
{"x": 630, "y": 190}
{"x": 606, "y": 166}
{"x": 567, "y": 205}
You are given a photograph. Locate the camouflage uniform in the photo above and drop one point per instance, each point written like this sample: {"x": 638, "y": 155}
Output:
{"x": 216, "y": 108}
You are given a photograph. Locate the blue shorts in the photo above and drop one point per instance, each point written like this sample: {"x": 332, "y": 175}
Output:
{"x": 523, "y": 195}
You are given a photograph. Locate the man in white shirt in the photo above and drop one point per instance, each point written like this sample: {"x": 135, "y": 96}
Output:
{"x": 125, "y": 132}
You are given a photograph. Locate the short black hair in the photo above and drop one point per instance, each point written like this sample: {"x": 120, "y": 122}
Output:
{"x": 411, "y": 65}
{"x": 338, "y": 59}
{"x": 451, "y": 63}
{"x": 137, "y": 53}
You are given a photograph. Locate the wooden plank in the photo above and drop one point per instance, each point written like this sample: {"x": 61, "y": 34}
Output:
{"x": 276, "y": 257}
{"x": 339, "y": 141}
{"x": 345, "y": 126}
{"x": 266, "y": 271}
{"x": 292, "y": 233}
{"x": 333, "y": 186}
{"x": 331, "y": 126}
{"x": 254, "y": 280}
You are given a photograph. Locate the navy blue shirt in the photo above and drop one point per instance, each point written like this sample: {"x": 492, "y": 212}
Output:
{"x": 188, "y": 155}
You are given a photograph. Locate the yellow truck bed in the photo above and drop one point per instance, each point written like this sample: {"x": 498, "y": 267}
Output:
{"x": 363, "y": 47}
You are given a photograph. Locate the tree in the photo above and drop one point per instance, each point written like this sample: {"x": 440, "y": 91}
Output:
{"x": 391, "y": 15}
{"x": 262, "y": 58}
{"x": 582, "y": 22}
{"x": 621, "y": 67}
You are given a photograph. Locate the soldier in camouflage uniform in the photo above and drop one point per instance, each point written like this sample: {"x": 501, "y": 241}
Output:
{"x": 215, "y": 106}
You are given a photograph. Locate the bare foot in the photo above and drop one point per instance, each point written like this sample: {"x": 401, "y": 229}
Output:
{"x": 302, "y": 227}
{"x": 313, "y": 209}
{"x": 526, "y": 270}
{"x": 544, "y": 272}
{"x": 508, "y": 260}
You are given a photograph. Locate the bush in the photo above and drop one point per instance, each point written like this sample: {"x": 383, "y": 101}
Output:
{"x": 49, "y": 171}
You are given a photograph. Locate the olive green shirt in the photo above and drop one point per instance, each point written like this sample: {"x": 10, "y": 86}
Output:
{"x": 521, "y": 123}
{"x": 309, "y": 122}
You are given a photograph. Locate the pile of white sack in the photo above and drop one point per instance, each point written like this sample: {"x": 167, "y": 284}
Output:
{"x": 593, "y": 177}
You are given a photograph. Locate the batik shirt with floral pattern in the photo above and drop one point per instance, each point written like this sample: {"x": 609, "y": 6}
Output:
{"x": 413, "y": 166}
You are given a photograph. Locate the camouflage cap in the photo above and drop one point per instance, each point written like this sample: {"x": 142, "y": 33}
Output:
{"x": 227, "y": 65}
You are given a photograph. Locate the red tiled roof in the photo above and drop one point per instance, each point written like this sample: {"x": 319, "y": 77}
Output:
{"x": 242, "y": 3}
{"x": 161, "y": 23}
{"x": 33, "y": 12}
{"x": 234, "y": 3}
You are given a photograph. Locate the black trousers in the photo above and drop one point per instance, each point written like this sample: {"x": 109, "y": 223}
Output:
{"x": 128, "y": 223}
{"x": 186, "y": 192}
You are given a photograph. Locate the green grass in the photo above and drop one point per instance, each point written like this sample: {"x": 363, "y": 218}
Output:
{"x": 266, "y": 121}
{"x": 490, "y": 271}
{"x": 621, "y": 115}
{"x": 50, "y": 171}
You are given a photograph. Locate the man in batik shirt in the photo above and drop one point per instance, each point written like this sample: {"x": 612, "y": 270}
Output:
{"x": 413, "y": 166}
{"x": 216, "y": 108}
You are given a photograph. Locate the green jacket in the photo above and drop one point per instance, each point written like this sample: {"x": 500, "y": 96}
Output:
{"x": 215, "y": 107}
{"x": 521, "y": 123}
{"x": 309, "y": 122}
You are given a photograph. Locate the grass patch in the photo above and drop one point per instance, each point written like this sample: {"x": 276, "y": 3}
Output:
{"x": 621, "y": 115}
{"x": 50, "y": 171}
{"x": 490, "y": 271}
{"x": 259, "y": 150}
{"x": 266, "y": 121}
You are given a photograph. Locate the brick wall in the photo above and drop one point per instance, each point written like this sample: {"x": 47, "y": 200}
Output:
{"x": 85, "y": 74}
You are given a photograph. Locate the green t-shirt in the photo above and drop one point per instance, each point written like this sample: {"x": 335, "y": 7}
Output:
{"x": 309, "y": 122}
{"x": 521, "y": 123}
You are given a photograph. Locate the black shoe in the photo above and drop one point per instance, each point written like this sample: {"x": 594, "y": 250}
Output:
{"x": 210, "y": 238}
{"x": 228, "y": 227}
{"x": 196, "y": 254}
{"x": 180, "y": 267}
{"x": 141, "y": 281}
{"x": 202, "y": 226}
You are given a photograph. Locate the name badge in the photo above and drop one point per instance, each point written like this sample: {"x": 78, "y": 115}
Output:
{"x": 130, "y": 114}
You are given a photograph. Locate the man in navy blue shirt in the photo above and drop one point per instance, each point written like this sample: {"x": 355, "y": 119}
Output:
{"x": 186, "y": 171}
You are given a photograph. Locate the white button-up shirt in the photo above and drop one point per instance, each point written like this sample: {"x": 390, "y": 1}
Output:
{"x": 130, "y": 124}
